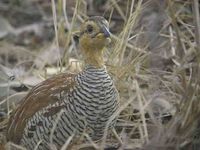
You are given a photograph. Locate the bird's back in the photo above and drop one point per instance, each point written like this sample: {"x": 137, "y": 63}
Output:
{"x": 39, "y": 97}
{"x": 87, "y": 106}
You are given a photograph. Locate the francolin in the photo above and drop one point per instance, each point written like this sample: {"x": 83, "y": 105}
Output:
{"x": 69, "y": 104}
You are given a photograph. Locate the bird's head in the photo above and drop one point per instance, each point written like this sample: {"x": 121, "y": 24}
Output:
{"x": 93, "y": 37}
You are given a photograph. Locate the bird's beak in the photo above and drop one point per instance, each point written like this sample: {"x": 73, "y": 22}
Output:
{"x": 106, "y": 31}
{"x": 104, "y": 34}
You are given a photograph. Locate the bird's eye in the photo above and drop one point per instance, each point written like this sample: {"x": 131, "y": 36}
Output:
{"x": 89, "y": 29}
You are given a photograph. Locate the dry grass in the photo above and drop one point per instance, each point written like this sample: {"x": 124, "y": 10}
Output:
{"x": 160, "y": 106}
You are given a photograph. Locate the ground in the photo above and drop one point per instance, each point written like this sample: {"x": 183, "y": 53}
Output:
{"x": 153, "y": 59}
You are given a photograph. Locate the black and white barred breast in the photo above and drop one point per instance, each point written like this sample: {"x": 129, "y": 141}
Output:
{"x": 86, "y": 107}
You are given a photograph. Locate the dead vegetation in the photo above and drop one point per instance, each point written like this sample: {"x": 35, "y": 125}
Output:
{"x": 154, "y": 59}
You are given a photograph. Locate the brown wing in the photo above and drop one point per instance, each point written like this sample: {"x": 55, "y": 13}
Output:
{"x": 39, "y": 97}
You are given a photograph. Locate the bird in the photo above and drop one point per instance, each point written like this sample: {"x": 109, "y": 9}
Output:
{"x": 69, "y": 104}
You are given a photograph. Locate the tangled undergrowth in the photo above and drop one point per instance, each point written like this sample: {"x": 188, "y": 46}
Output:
{"x": 153, "y": 58}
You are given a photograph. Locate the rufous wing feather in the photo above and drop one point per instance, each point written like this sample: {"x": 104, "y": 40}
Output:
{"x": 39, "y": 97}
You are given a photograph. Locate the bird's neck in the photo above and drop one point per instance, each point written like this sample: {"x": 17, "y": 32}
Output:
{"x": 94, "y": 58}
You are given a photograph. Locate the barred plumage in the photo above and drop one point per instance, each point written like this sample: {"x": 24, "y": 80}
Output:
{"x": 69, "y": 104}
{"x": 89, "y": 105}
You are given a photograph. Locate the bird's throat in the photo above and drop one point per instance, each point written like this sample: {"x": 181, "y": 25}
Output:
{"x": 94, "y": 58}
